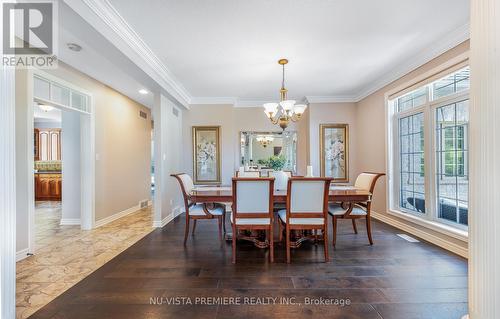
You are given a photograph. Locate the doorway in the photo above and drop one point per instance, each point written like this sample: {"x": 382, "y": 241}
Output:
{"x": 62, "y": 166}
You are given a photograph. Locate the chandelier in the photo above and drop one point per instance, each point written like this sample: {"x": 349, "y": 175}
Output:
{"x": 265, "y": 140}
{"x": 286, "y": 110}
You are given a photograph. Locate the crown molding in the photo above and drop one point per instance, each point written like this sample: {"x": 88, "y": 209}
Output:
{"x": 103, "y": 17}
{"x": 211, "y": 100}
{"x": 331, "y": 99}
{"x": 452, "y": 39}
{"x": 250, "y": 102}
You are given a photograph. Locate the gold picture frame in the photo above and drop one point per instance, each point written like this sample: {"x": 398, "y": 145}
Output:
{"x": 334, "y": 151}
{"x": 206, "y": 155}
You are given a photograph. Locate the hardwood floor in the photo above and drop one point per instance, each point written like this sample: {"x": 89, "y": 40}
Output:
{"x": 66, "y": 254}
{"x": 392, "y": 279}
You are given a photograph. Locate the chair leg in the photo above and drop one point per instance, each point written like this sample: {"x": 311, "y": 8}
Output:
{"x": 219, "y": 219}
{"x": 369, "y": 229}
{"x": 194, "y": 226}
{"x": 354, "y": 226}
{"x": 280, "y": 231}
{"x": 233, "y": 258}
{"x": 334, "y": 224}
{"x": 287, "y": 234}
{"x": 325, "y": 242}
{"x": 186, "y": 231}
{"x": 271, "y": 244}
{"x": 224, "y": 220}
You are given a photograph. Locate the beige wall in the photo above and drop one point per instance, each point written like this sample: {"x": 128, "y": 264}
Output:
{"x": 123, "y": 145}
{"x": 332, "y": 113}
{"x": 232, "y": 121}
{"x": 371, "y": 124}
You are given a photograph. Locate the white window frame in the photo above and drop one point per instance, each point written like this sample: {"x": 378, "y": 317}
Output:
{"x": 430, "y": 219}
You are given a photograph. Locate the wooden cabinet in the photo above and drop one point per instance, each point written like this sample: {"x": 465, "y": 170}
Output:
{"x": 47, "y": 144}
{"x": 48, "y": 186}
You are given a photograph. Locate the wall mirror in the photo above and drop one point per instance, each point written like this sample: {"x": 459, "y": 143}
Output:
{"x": 262, "y": 150}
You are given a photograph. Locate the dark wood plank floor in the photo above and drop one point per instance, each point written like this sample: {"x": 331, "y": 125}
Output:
{"x": 393, "y": 279}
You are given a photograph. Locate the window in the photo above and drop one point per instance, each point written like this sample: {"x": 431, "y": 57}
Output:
{"x": 452, "y": 181}
{"x": 434, "y": 118}
{"x": 411, "y": 151}
{"x": 50, "y": 91}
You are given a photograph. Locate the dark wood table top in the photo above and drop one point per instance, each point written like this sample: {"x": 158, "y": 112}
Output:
{"x": 224, "y": 194}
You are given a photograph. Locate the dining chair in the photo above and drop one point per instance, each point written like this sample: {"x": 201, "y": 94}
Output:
{"x": 280, "y": 179}
{"x": 197, "y": 211}
{"x": 252, "y": 209}
{"x": 353, "y": 211}
{"x": 306, "y": 209}
{"x": 253, "y": 174}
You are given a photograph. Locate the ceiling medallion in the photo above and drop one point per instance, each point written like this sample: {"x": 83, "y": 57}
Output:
{"x": 286, "y": 110}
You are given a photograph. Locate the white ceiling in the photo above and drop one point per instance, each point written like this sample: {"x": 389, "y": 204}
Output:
{"x": 100, "y": 59}
{"x": 52, "y": 116}
{"x": 343, "y": 49}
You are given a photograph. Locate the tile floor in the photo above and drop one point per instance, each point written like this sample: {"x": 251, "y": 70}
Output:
{"x": 65, "y": 254}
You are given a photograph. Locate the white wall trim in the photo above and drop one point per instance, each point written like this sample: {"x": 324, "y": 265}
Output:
{"x": 20, "y": 255}
{"x": 69, "y": 221}
{"x": 7, "y": 193}
{"x": 451, "y": 40}
{"x": 436, "y": 240}
{"x": 331, "y": 99}
{"x": 106, "y": 20}
{"x": 213, "y": 100}
{"x": 175, "y": 212}
{"x": 118, "y": 215}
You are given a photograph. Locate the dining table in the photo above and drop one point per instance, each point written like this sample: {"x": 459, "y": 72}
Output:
{"x": 224, "y": 194}
{"x": 349, "y": 195}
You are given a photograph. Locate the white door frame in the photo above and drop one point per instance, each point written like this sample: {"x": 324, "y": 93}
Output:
{"x": 7, "y": 194}
{"x": 87, "y": 169}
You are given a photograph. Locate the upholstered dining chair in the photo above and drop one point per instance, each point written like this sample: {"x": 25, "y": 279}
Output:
{"x": 197, "y": 211}
{"x": 253, "y": 209}
{"x": 248, "y": 174}
{"x": 353, "y": 211}
{"x": 306, "y": 209}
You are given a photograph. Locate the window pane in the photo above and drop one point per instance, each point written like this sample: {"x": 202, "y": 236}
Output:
{"x": 59, "y": 94}
{"x": 79, "y": 101}
{"x": 412, "y": 99}
{"x": 452, "y": 83}
{"x": 452, "y": 180}
{"x": 411, "y": 166}
{"x": 41, "y": 88}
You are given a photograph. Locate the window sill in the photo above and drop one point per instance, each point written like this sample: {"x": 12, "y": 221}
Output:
{"x": 459, "y": 234}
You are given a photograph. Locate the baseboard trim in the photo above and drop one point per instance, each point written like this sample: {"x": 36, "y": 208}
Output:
{"x": 20, "y": 255}
{"x": 70, "y": 221}
{"x": 438, "y": 241}
{"x": 119, "y": 215}
{"x": 175, "y": 212}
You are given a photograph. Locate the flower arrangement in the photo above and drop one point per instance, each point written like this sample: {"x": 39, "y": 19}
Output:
{"x": 276, "y": 162}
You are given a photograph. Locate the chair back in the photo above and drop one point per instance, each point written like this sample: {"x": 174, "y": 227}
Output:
{"x": 280, "y": 179}
{"x": 253, "y": 174}
{"x": 253, "y": 197}
{"x": 187, "y": 186}
{"x": 367, "y": 181}
{"x": 288, "y": 173}
{"x": 307, "y": 197}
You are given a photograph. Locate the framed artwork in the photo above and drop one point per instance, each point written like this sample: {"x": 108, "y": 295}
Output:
{"x": 206, "y": 155}
{"x": 334, "y": 151}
